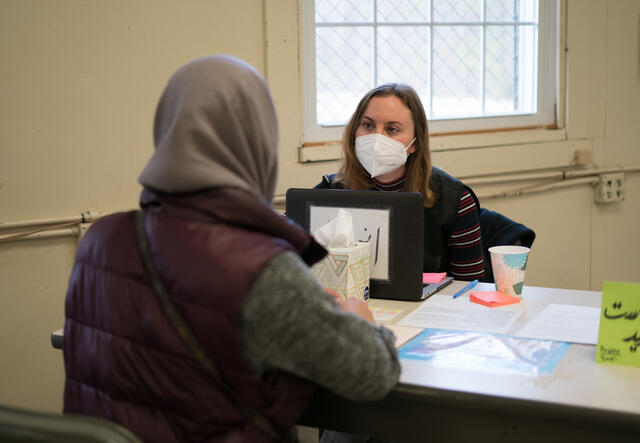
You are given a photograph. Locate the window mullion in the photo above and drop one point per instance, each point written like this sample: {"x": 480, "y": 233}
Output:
{"x": 483, "y": 42}
{"x": 375, "y": 43}
{"x": 431, "y": 113}
{"x": 516, "y": 57}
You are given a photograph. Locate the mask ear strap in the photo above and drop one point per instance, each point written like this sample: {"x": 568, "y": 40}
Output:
{"x": 409, "y": 145}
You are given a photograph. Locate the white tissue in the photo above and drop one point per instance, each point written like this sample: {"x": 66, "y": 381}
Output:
{"x": 338, "y": 233}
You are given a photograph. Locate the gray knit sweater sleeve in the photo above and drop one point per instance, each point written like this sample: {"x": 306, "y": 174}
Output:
{"x": 290, "y": 323}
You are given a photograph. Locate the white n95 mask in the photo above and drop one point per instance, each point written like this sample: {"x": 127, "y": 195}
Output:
{"x": 379, "y": 154}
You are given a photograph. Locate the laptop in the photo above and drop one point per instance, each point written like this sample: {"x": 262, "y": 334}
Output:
{"x": 391, "y": 221}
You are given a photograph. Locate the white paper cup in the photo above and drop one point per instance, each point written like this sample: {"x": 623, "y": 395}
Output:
{"x": 509, "y": 264}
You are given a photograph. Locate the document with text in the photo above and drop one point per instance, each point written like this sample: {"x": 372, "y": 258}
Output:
{"x": 444, "y": 312}
{"x": 575, "y": 324}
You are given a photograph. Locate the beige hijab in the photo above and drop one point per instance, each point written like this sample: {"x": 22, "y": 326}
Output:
{"x": 215, "y": 126}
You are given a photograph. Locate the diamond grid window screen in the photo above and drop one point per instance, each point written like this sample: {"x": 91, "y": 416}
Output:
{"x": 465, "y": 58}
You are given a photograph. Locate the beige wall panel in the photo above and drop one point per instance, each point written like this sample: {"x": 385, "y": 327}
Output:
{"x": 81, "y": 88}
{"x": 282, "y": 18}
{"x": 586, "y": 67}
{"x": 304, "y": 176}
{"x": 599, "y": 145}
{"x": 616, "y": 244}
{"x": 561, "y": 219}
{"x": 33, "y": 280}
{"x": 498, "y": 160}
{"x": 623, "y": 83}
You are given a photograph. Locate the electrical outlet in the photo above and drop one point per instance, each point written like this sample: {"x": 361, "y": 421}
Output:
{"x": 610, "y": 188}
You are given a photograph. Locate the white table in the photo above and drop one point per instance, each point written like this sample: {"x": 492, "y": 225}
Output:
{"x": 580, "y": 400}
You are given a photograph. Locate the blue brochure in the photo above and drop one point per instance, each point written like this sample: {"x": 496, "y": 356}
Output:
{"x": 484, "y": 351}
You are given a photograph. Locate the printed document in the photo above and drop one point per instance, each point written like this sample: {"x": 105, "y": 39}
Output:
{"x": 575, "y": 324}
{"x": 444, "y": 312}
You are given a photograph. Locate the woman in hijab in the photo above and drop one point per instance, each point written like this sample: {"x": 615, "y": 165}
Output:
{"x": 236, "y": 273}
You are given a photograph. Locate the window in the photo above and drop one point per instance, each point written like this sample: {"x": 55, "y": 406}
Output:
{"x": 476, "y": 64}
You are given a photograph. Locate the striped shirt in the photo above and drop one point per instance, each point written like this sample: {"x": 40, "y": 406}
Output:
{"x": 466, "y": 260}
{"x": 465, "y": 243}
{"x": 389, "y": 187}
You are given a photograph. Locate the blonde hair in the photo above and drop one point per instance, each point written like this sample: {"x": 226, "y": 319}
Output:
{"x": 418, "y": 166}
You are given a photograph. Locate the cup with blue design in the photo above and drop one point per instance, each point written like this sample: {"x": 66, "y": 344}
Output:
{"x": 509, "y": 264}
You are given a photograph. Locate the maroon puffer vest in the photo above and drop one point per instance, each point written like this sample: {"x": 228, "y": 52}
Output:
{"x": 124, "y": 361}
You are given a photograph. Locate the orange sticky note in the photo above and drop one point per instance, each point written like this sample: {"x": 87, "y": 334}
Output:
{"x": 493, "y": 299}
{"x": 433, "y": 277}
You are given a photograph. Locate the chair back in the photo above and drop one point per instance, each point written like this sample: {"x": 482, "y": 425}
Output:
{"x": 498, "y": 230}
{"x": 22, "y": 425}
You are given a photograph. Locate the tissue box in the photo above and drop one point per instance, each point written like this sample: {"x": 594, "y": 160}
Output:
{"x": 346, "y": 271}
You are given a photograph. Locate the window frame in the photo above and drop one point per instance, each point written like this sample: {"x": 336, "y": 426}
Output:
{"x": 547, "y": 97}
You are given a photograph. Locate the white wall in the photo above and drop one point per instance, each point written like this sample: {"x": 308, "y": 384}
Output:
{"x": 80, "y": 80}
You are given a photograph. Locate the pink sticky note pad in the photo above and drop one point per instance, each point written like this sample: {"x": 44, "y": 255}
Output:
{"x": 493, "y": 299}
{"x": 433, "y": 277}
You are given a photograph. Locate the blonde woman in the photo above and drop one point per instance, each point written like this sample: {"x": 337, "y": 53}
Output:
{"x": 386, "y": 148}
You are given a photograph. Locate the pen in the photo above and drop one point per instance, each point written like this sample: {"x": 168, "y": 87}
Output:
{"x": 465, "y": 289}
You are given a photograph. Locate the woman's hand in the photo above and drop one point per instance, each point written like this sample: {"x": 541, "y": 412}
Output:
{"x": 353, "y": 306}
{"x": 357, "y": 307}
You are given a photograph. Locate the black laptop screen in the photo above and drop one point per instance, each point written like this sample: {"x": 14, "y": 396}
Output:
{"x": 391, "y": 222}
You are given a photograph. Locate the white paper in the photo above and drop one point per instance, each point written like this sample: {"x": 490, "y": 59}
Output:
{"x": 575, "y": 324}
{"x": 403, "y": 334}
{"x": 384, "y": 314}
{"x": 369, "y": 225}
{"x": 444, "y": 312}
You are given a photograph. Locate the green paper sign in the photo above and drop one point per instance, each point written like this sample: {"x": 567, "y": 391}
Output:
{"x": 619, "y": 335}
